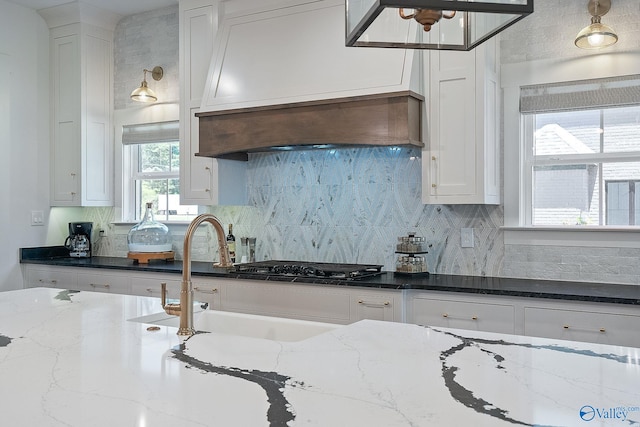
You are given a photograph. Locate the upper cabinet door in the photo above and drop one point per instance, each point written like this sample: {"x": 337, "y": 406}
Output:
{"x": 203, "y": 180}
{"x": 82, "y": 105}
{"x": 461, "y": 163}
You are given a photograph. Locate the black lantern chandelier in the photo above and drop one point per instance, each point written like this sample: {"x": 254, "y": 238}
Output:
{"x": 430, "y": 24}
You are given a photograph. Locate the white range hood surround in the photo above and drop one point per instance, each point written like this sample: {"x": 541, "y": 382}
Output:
{"x": 296, "y": 53}
{"x": 282, "y": 77}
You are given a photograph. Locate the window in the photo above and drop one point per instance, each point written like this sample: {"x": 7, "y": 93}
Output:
{"x": 623, "y": 202}
{"x": 581, "y": 152}
{"x": 153, "y": 153}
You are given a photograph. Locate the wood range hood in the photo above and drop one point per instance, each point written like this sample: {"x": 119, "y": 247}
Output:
{"x": 387, "y": 119}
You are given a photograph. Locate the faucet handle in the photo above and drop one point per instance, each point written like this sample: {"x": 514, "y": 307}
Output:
{"x": 172, "y": 309}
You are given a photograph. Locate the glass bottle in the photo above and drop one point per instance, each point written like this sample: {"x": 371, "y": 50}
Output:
{"x": 231, "y": 244}
{"x": 149, "y": 235}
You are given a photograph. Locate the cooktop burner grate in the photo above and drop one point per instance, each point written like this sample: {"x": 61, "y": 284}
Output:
{"x": 310, "y": 269}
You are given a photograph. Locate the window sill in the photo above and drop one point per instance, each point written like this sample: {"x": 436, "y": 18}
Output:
{"x": 586, "y": 236}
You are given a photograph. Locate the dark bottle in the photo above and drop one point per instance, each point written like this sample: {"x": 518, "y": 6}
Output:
{"x": 231, "y": 244}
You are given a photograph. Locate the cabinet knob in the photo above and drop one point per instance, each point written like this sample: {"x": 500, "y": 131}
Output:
{"x": 434, "y": 185}
{"x": 433, "y": 157}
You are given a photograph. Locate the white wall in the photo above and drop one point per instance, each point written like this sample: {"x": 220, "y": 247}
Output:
{"x": 24, "y": 135}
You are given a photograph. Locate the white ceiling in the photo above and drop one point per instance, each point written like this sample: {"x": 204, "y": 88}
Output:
{"x": 121, "y": 7}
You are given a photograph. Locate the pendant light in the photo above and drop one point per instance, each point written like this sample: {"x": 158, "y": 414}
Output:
{"x": 596, "y": 35}
{"x": 429, "y": 24}
{"x": 143, "y": 93}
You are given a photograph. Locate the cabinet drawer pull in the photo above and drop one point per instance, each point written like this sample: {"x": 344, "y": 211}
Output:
{"x": 446, "y": 315}
{"x": 52, "y": 281}
{"x": 602, "y": 330}
{"x": 99, "y": 285}
{"x": 205, "y": 290}
{"x": 375, "y": 304}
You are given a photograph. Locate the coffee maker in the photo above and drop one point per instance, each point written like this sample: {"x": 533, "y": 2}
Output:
{"x": 79, "y": 240}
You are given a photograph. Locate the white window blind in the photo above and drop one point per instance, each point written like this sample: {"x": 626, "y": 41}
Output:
{"x": 582, "y": 94}
{"x": 149, "y": 133}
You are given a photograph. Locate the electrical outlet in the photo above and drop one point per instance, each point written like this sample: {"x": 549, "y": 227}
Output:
{"x": 466, "y": 237}
{"x": 37, "y": 218}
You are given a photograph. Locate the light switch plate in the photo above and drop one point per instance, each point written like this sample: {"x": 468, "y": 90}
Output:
{"x": 466, "y": 237}
{"x": 37, "y": 218}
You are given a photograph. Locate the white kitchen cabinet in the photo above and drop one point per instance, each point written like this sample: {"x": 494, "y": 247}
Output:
{"x": 333, "y": 304}
{"x": 208, "y": 290}
{"x": 375, "y": 305}
{"x": 103, "y": 280}
{"x": 149, "y": 284}
{"x": 461, "y": 163}
{"x": 81, "y": 122}
{"x": 77, "y": 279}
{"x": 49, "y": 276}
{"x": 481, "y": 313}
{"x": 309, "y": 302}
{"x": 203, "y": 180}
{"x": 597, "y": 323}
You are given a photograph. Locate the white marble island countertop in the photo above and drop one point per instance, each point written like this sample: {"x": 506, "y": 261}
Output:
{"x": 75, "y": 359}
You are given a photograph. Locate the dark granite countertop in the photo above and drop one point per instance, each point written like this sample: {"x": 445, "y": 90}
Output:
{"x": 531, "y": 288}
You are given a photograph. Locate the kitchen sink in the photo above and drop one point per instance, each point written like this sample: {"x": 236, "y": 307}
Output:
{"x": 246, "y": 325}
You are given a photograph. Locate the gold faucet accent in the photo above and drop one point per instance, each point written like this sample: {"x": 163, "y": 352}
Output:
{"x": 185, "y": 308}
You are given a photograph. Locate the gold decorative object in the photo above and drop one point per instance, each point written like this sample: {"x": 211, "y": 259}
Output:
{"x": 427, "y": 17}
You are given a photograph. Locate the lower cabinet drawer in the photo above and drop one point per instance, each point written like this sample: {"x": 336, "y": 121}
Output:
{"x": 151, "y": 287}
{"x": 463, "y": 315}
{"x": 112, "y": 283}
{"x": 319, "y": 303}
{"x": 51, "y": 277}
{"x": 373, "y": 306}
{"x": 588, "y": 326}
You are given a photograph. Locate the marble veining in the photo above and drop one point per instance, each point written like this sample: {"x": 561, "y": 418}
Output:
{"x": 467, "y": 397}
{"x": 4, "y": 341}
{"x": 279, "y": 412}
{"x": 80, "y": 361}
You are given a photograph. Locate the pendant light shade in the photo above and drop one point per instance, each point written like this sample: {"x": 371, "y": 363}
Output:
{"x": 430, "y": 24}
{"x": 596, "y": 35}
{"x": 143, "y": 93}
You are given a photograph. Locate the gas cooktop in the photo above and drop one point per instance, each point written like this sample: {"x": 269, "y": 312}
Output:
{"x": 309, "y": 269}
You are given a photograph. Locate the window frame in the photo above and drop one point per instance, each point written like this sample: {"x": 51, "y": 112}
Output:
{"x": 124, "y": 205}
{"x": 531, "y": 160}
{"x": 134, "y": 174}
{"x": 516, "y": 187}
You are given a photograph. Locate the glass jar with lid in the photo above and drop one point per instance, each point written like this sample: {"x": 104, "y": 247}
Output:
{"x": 149, "y": 235}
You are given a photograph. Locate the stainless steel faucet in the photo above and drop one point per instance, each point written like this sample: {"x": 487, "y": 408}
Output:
{"x": 185, "y": 308}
